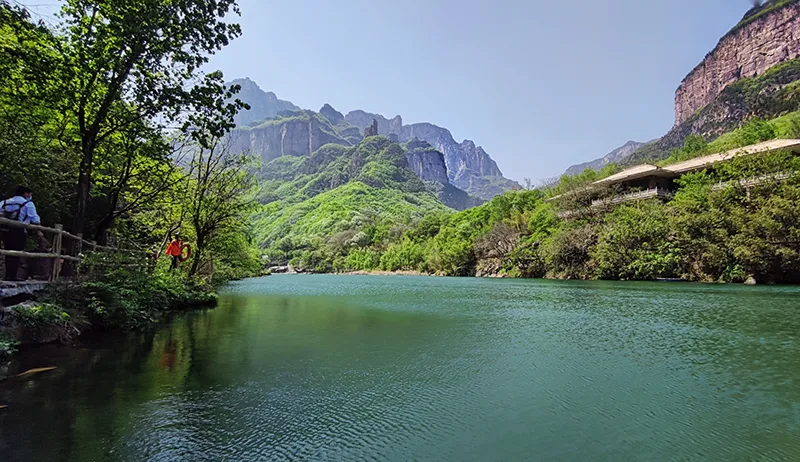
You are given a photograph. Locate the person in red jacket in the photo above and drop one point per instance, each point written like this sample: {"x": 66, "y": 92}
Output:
{"x": 175, "y": 250}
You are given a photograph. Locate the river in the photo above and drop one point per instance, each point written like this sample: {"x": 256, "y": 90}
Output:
{"x": 415, "y": 368}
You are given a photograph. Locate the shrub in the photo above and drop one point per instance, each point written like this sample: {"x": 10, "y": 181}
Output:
{"x": 635, "y": 243}
{"x": 567, "y": 252}
{"x": 404, "y": 256}
{"x": 363, "y": 260}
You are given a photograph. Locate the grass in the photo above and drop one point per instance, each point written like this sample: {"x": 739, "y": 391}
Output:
{"x": 763, "y": 10}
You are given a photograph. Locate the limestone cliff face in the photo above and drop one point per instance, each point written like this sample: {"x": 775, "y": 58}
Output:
{"x": 426, "y": 161}
{"x": 274, "y": 128}
{"x": 362, "y": 120}
{"x": 296, "y": 136}
{"x": 334, "y": 116}
{"x": 263, "y": 105}
{"x": 763, "y": 41}
{"x": 465, "y": 162}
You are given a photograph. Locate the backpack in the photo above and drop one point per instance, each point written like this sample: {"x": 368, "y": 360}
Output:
{"x": 12, "y": 215}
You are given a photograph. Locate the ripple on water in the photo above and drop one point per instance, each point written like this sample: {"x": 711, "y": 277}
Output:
{"x": 406, "y": 368}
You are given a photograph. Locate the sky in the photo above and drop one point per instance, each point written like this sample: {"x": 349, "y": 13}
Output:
{"x": 541, "y": 85}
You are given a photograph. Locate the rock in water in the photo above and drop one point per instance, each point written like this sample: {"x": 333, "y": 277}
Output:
{"x": 751, "y": 281}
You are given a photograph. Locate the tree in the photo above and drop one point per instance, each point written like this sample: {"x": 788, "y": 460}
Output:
{"x": 219, "y": 195}
{"x": 30, "y": 126}
{"x": 134, "y": 171}
{"x": 132, "y": 61}
{"x": 220, "y": 181}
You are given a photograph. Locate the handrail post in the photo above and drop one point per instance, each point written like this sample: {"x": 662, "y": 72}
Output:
{"x": 78, "y": 250}
{"x": 57, "y": 240}
{"x": 91, "y": 261}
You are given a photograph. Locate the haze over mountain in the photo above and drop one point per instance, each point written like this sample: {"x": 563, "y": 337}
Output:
{"x": 273, "y": 128}
{"x": 578, "y": 78}
{"x": 617, "y": 155}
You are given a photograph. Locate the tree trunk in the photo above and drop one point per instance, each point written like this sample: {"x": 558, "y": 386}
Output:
{"x": 101, "y": 234}
{"x": 84, "y": 186}
{"x": 198, "y": 253}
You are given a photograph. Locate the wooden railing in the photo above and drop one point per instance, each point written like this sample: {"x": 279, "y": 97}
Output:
{"x": 660, "y": 193}
{"x": 754, "y": 181}
{"x": 57, "y": 250}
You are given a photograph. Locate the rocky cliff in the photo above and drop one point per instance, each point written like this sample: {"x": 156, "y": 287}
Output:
{"x": 263, "y": 105}
{"x": 297, "y": 135}
{"x": 753, "y": 72}
{"x": 335, "y": 117}
{"x": 426, "y": 161}
{"x": 468, "y": 166}
{"x": 768, "y": 35}
{"x": 274, "y": 128}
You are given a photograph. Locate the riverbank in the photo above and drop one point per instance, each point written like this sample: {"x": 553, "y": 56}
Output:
{"x": 116, "y": 300}
{"x": 385, "y": 273}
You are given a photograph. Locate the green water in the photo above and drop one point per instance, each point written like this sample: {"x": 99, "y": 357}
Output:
{"x": 406, "y": 368}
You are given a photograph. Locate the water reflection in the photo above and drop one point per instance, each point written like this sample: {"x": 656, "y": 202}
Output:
{"x": 425, "y": 368}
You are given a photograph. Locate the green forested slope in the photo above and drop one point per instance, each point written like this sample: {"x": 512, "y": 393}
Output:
{"x": 339, "y": 196}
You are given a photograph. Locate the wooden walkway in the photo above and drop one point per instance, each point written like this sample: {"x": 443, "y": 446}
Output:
{"x": 58, "y": 254}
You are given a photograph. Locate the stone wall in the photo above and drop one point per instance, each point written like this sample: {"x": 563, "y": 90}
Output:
{"x": 745, "y": 52}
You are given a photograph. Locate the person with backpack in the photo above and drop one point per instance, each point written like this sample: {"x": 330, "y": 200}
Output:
{"x": 18, "y": 208}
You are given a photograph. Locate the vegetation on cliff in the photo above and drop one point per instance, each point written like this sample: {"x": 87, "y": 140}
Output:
{"x": 774, "y": 96}
{"x": 760, "y": 11}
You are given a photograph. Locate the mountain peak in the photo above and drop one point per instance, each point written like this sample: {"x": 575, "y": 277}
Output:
{"x": 334, "y": 116}
{"x": 467, "y": 164}
{"x": 263, "y": 104}
{"x": 617, "y": 155}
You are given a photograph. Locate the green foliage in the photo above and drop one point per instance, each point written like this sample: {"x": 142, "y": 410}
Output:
{"x": 90, "y": 100}
{"x": 568, "y": 251}
{"x": 339, "y": 200}
{"x": 755, "y": 130}
{"x": 693, "y": 146}
{"x": 362, "y": 260}
{"x": 406, "y": 255}
{"x": 8, "y": 346}
{"x": 122, "y": 293}
{"x": 39, "y": 315}
{"x": 635, "y": 243}
{"x": 720, "y": 225}
{"x": 352, "y": 206}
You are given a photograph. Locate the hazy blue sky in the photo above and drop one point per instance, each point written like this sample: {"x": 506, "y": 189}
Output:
{"x": 541, "y": 85}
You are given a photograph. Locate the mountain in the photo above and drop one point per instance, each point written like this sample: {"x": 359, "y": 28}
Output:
{"x": 296, "y": 133}
{"x": 469, "y": 167}
{"x": 752, "y": 72}
{"x": 274, "y": 128}
{"x": 263, "y": 105}
{"x": 617, "y": 155}
{"x": 313, "y": 201}
{"x": 303, "y": 133}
